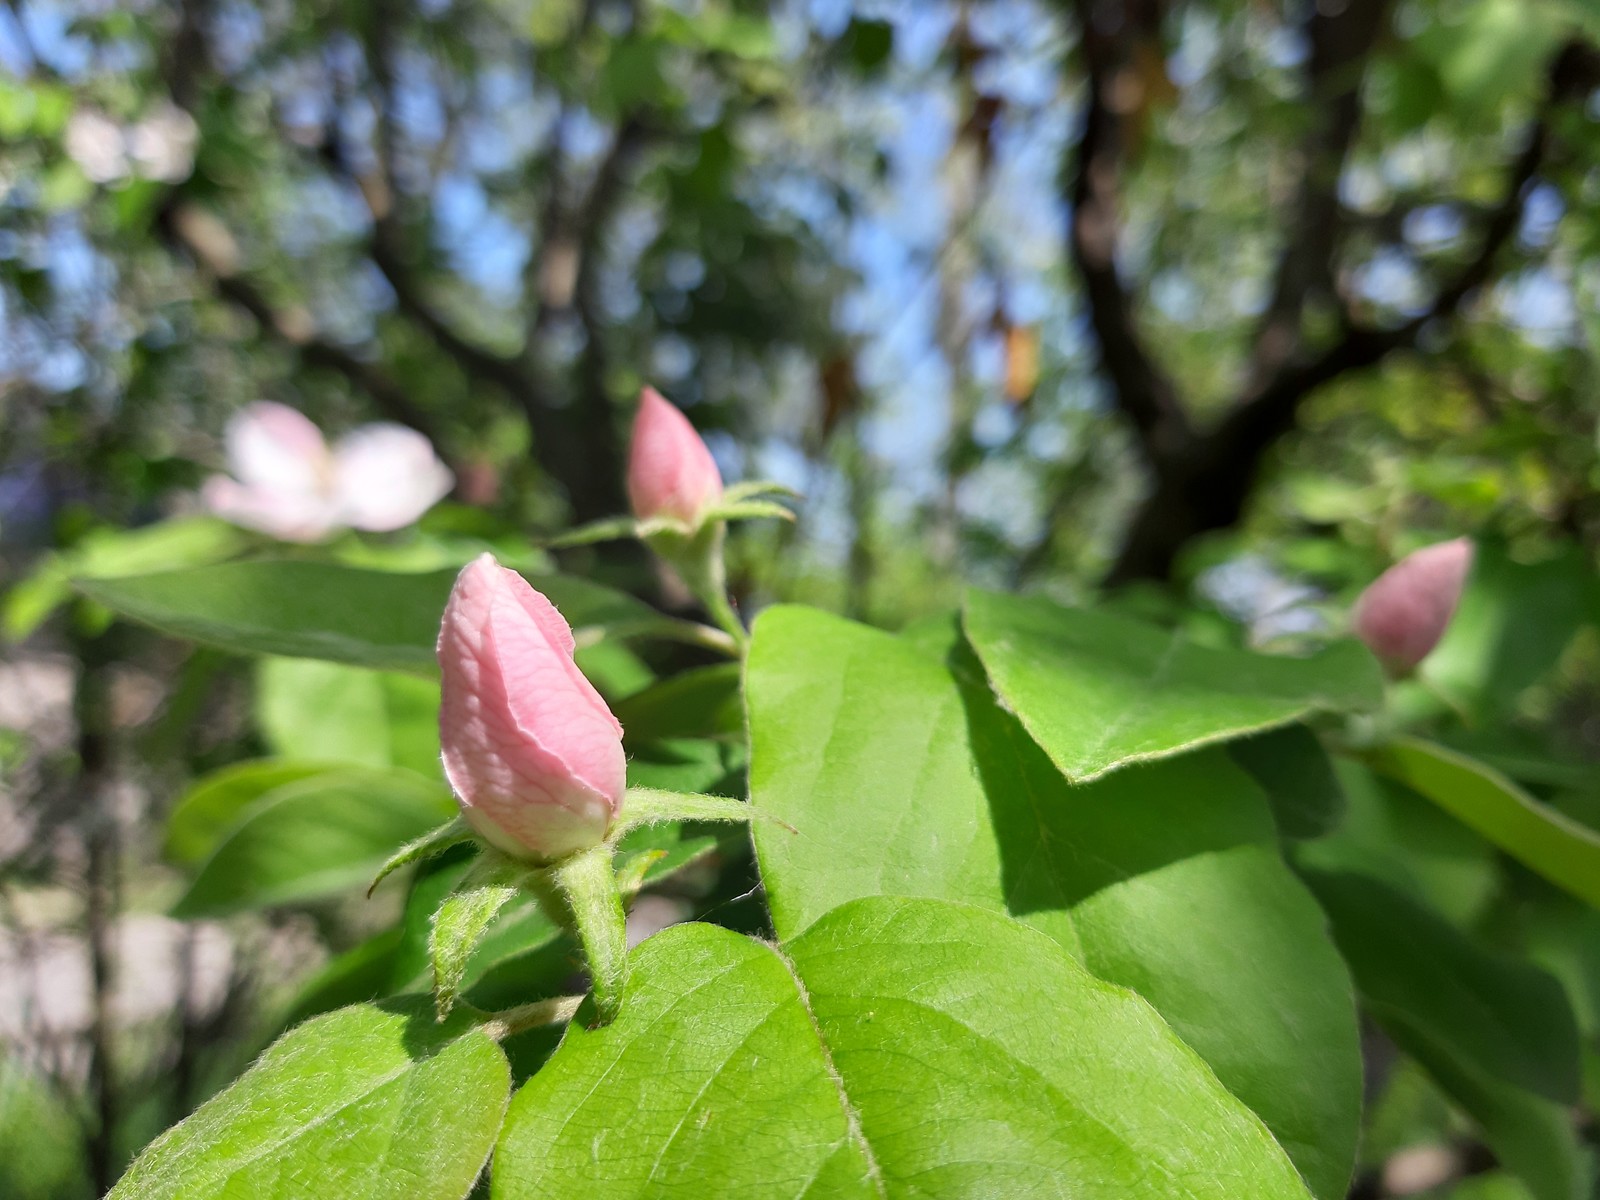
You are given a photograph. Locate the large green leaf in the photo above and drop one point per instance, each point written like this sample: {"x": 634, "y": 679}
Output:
{"x": 378, "y": 619}
{"x": 181, "y": 542}
{"x": 335, "y": 713}
{"x": 898, "y": 1048}
{"x": 703, "y": 702}
{"x": 313, "y": 837}
{"x": 1504, "y": 1016}
{"x": 332, "y": 712}
{"x": 1497, "y": 1035}
{"x": 205, "y": 813}
{"x": 1555, "y": 846}
{"x": 1391, "y": 833}
{"x": 904, "y": 779}
{"x": 1098, "y": 690}
{"x": 373, "y": 1102}
{"x": 1298, "y": 777}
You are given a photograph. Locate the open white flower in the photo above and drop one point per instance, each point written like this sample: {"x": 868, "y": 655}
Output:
{"x": 288, "y": 483}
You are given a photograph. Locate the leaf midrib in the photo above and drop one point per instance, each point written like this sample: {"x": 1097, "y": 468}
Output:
{"x": 852, "y": 1118}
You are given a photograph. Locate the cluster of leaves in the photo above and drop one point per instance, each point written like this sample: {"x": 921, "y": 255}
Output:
{"x": 1069, "y": 901}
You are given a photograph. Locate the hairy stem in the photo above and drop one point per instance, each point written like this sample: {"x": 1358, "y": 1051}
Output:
{"x": 588, "y": 883}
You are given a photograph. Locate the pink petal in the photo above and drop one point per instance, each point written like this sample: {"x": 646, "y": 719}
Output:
{"x": 273, "y": 447}
{"x": 287, "y": 516}
{"x": 670, "y": 471}
{"x": 532, "y": 751}
{"x": 386, "y": 476}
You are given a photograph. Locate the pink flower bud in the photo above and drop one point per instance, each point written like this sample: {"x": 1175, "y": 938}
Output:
{"x": 670, "y": 471}
{"x": 532, "y": 751}
{"x": 1404, "y": 612}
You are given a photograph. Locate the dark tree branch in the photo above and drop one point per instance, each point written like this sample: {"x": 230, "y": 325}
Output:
{"x": 1262, "y": 418}
{"x": 477, "y": 362}
{"x": 602, "y": 447}
{"x": 1144, "y": 393}
{"x": 1340, "y": 39}
{"x": 1207, "y": 489}
{"x": 203, "y": 239}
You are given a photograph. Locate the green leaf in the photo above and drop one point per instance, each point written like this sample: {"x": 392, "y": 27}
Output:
{"x": 1391, "y": 833}
{"x": 183, "y": 541}
{"x": 1554, "y": 846}
{"x": 1492, "y": 651}
{"x": 1532, "y": 1138}
{"x": 1099, "y": 690}
{"x": 314, "y": 837}
{"x": 681, "y": 764}
{"x": 703, "y": 702}
{"x": 435, "y": 842}
{"x": 41, "y": 1139}
{"x": 1471, "y": 1018}
{"x": 1296, "y": 774}
{"x": 651, "y": 806}
{"x": 613, "y": 668}
{"x": 749, "y": 489}
{"x": 388, "y": 621}
{"x": 1507, "y": 1018}
{"x": 898, "y": 1048}
{"x": 608, "y": 530}
{"x": 334, "y": 713}
{"x": 368, "y": 1101}
{"x": 904, "y": 779}
{"x": 209, "y": 809}
{"x": 747, "y": 510}
{"x": 461, "y": 920}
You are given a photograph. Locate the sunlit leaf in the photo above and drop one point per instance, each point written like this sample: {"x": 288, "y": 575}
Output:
{"x": 378, "y": 619}
{"x": 1098, "y": 690}
{"x": 377, "y": 1102}
{"x": 903, "y": 779}
{"x": 1557, "y": 847}
{"x": 897, "y": 1048}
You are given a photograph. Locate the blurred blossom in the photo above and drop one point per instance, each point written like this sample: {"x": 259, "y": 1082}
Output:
{"x": 286, "y": 482}
{"x": 159, "y": 146}
{"x": 162, "y": 144}
{"x": 670, "y": 469}
{"x": 94, "y": 141}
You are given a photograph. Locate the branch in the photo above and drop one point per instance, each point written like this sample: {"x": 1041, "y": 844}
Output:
{"x": 1143, "y": 391}
{"x": 204, "y": 239}
{"x": 1208, "y": 489}
{"x": 478, "y": 362}
{"x": 1340, "y": 38}
{"x": 1271, "y": 412}
{"x": 597, "y": 429}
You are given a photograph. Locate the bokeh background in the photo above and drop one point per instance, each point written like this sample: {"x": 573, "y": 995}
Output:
{"x": 1218, "y": 306}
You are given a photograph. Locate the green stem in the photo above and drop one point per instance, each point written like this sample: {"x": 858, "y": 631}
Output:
{"x": 700, "y": 563}
{"x": 512, "y": 1021}
{"x": 589, "y": 885}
